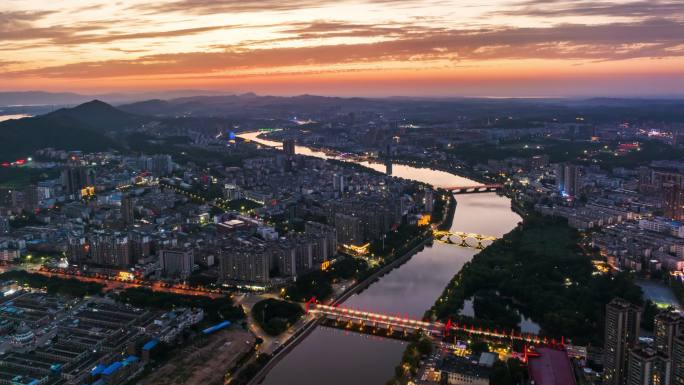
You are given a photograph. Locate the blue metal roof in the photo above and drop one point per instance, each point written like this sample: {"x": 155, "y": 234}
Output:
{"x": 150, "y": 345}
{"x": 98, "y": 369}
{"x": 130, "y": 360}
{"x": 216, "y": 327}
{"x": 111, "y": 369}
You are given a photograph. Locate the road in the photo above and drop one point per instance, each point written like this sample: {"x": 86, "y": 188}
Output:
{"x": 112, "y": 284}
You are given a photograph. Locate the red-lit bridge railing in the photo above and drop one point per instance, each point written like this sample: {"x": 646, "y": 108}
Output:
{"x": 432, "y": 328}
{"x": 475, "y": 188}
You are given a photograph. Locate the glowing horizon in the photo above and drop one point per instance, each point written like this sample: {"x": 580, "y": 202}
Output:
{"x": 349, "y": 47}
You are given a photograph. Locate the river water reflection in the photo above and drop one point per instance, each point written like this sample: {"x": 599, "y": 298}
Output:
{"x": 330, "y": 356}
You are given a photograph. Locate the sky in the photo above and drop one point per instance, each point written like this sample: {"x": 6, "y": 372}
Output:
{"x": 493, "y": 48}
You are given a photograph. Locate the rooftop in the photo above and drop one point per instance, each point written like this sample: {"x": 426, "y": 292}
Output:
{"x": 552, "y": 367}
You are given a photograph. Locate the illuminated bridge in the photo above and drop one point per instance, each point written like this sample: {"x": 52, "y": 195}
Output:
{"x": 446, "y": 237}
{"x": 481, "y": 188}
{"x": 403, "y": 326}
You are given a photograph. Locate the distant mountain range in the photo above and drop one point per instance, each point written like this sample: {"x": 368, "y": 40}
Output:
{"x": 79, "y": 128}
{"x": 91, "y": 126}
{"x": 418, "y": 110}
{"x": 252, "y": 105}
{"x": 39, "y": 98}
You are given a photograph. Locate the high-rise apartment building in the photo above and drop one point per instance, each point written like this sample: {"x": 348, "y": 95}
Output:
{"x": 77, "y": 249}
{"x": 325, "y": 239}
{"x": 388, "y": 166}
{"x": 349, "y": 229}
{"x": 286, "y": 259}
{"x": 159, "y": 165}
{"x": 666, "y": 329}
{"x": 567, "y": 179}
{"x": 572, "y": 180}
{"x": 339, "y": 183}
{"x": 176, "y": 263}
{"x": 621, "y": 332}
{"x": 289, "y": 147}
{"x": 128, "y": 210}
{"x": 75, "y": 178}
{"x": 30, "y": 198}
{"x": 677, "y": 377}
{"x": 648, "y": 366}
{"x": 673, "y": 201}
{"x": 669, "y": 185}
{"x": 559, "y": 171}
{"x": 247, "y": 265}
{"x": 141, "y": 245}
{"x": 162, "y": 165}
{"x": 110, "y": 249}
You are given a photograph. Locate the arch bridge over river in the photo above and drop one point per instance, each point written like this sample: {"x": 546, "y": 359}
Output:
{"x": 403, "y": 325}
{"x": 463, "y": 237}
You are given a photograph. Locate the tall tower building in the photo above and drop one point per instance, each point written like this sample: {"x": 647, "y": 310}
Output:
{"x": 647, "y": 366}
{"x": 567, "y": 179}
{"x": 388, "y": 166}
{"x": 666, "y": 328}
{"x": 669, "y": 185}
{"x": 110, "y": 249}
{"x": 677, "y": 361}
{"x": 176, "y": 263}
{"x": 247, "y": 265}
{"x": 286, "y": 258}
{"x": 560, "y": 176}
{"x": 31, "y": 200}
{"x": 289, "y": 147}
{"x": 339, "y": 183}
{"x": 622, "y": 328}
{"x": 673, "y": 197}
{"x": 141, "y": 245}
{"x": 75, "y": 178}
{"x": 77, "y": 249}
{"x": 348, "y": 229}
{"x": 161, "y": 165}
{"x": 571, "y": 180}
{"x": 127, "y": 210}
{"x": 326, "y": 239}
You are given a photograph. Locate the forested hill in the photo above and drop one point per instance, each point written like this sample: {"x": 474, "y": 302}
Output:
{"x": 80, "y": 128}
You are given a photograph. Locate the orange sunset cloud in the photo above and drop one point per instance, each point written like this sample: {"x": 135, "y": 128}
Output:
{"x": 366, "y": 47}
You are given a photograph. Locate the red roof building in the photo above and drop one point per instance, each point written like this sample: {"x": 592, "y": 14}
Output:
{"x": 551, "y": 367}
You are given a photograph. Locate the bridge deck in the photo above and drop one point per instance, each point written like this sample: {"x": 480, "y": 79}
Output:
{"x": 439, "y": 234}
{"x": 475, "y": 188}
{"x": 397, "y": 323}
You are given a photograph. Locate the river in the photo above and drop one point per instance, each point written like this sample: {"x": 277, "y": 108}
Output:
{"x": 13, "y": 116}
{"x": 335, "y": 357}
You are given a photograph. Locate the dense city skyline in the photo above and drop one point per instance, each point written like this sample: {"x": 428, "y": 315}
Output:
{"x": 364, "y": 48}
{"x": 506, "y": 242}
{"x": 398, "y": 192}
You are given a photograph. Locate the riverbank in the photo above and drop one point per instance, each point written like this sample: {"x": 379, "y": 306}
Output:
{"x": 451, "y": 211}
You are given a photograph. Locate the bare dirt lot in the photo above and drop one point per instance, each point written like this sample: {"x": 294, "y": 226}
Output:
{"x": 204, "y": 362}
